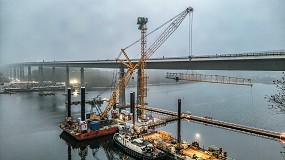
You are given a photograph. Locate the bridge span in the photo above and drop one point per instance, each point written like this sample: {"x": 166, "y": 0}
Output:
{"x": 263, "y": 61}
{"x": 256, "y": 61}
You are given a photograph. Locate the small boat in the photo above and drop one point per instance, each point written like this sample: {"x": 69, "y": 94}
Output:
{"x": 137, "y": 147}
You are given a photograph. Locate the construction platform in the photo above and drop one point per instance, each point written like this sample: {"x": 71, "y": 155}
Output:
{"x": 210, "y": 121}
{"x": 165, "y": 141}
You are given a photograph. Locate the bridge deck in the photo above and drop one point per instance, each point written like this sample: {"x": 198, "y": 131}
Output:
{"x": 265, "y": 61}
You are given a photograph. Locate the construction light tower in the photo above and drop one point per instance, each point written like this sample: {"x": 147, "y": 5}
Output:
{"x": 142, "y": 78}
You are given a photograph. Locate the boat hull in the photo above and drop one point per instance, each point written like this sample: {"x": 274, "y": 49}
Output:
{"x": 134, "y": 153}
{"x": 93, "y": 134}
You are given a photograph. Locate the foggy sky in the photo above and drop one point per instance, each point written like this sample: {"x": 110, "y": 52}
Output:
{"x": 32, "y": 30}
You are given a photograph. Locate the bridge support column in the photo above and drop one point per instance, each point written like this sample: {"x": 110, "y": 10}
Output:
{"x": 15, "y": 73}
{"x": 122, "y": 95}
{"x": 82, "y": 81}
{"x": 67, "y": 78}
{"x": 11, "y": 73}
{"x": 7, "y": 72}
{"x": 18, "y": 73}
{"x": 29, "y": 73}
{"x": 41, "y": 75}
{"x": 22, "y": 73}
{"x": 53, "y": 76}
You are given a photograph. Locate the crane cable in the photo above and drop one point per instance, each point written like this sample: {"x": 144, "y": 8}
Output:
{"x": 154, "y": 30}
{"x": 112, "y": 84}
{"x": 119, "y": 55}
{"x": 190, "y": 33}
{"x": 151, "y": 32}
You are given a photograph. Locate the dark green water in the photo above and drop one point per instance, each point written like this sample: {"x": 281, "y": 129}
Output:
{"x": 29, "y": 123}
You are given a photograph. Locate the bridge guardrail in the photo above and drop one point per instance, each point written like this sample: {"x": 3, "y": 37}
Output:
{"x": 250, "y": 54}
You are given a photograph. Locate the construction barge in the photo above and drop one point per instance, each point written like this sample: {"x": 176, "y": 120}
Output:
{"x": 161, "y": 143}
{"x": 178, "y": 149}
{"x": 130, "y": 140}
{"x": 31, "y": 86}
{"x": 166, "y": 142}
{"x": 143, "y": 129}
{"x": 138, "y": 141}
{"x": 92, "y": 127}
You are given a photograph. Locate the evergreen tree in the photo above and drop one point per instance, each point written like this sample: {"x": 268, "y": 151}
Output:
{"x": 278, "y": 100}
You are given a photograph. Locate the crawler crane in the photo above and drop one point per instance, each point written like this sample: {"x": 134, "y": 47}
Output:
{"x": 145, "y": 54}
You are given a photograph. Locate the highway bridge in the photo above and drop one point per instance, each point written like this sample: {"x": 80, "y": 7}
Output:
{"x": 253, "y": 61}
{"x": 263, "y": 61}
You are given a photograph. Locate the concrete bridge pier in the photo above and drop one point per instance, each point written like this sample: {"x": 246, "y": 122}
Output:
{"x": 18, "y": 73}
{"x": 6, "y": 74}
{"x": 29, "y": 73}
{"x": 11, "y": 73}
{"x": 15, "y": 73}
{"x": 122, "y": 95}
{"x": 41, "y": 73}
{"x": 22, "y": 73}
{"x": 53, "y": 76}
{"x": 67, "y": 78}
{"x": 82, "y": 81}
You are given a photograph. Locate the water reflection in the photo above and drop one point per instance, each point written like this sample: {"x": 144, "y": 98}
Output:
{"x": 83, "y": 147}
{"x": 282, "y": 152}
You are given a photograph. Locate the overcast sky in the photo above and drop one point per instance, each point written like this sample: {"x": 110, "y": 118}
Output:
{"x": 37, "y": 30}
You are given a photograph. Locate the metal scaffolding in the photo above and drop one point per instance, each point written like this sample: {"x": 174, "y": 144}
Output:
{"x": 209, "y": 78}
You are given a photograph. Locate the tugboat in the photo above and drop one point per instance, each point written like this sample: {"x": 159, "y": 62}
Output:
{"x": 137, "y": 147}
{"x": 131, "y": 141}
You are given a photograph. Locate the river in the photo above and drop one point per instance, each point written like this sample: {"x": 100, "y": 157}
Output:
{"x": 29, "y": 122}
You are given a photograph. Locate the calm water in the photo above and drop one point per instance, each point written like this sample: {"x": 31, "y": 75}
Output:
{"x": 29, "y": 123}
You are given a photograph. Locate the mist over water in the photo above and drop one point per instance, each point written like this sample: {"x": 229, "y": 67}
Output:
{"x": 29, "y": 122}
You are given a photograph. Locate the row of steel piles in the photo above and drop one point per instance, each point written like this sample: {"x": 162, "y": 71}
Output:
{"x": 82, "y": 103}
